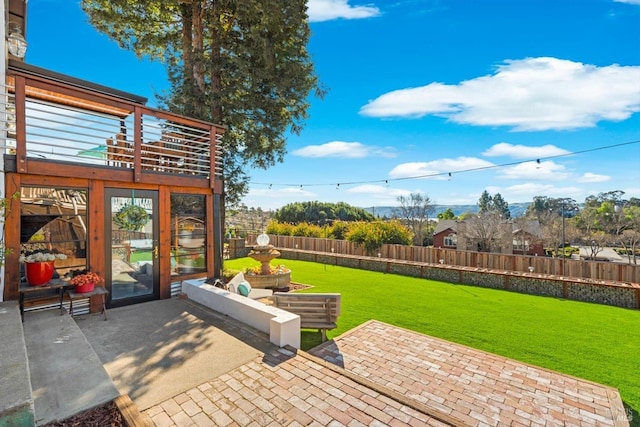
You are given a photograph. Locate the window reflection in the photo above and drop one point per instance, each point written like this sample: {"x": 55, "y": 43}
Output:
{"x": 188, "y": 234}
{"x": 55, "y": 219}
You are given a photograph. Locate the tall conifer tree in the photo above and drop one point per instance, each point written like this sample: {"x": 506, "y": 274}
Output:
{"x": 240, "y": 63}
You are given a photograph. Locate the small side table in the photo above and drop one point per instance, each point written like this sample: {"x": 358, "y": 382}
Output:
{"x": 96, "y": 291}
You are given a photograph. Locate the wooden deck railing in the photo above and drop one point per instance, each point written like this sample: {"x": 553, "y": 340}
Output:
{"x": 61, "y": 119}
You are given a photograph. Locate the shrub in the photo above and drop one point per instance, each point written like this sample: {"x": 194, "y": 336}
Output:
{"x": 372, "y": 235}
{"x": 307, "y": 230}
{"x": 339, "y": 230}
{"x": 279, "y": 228}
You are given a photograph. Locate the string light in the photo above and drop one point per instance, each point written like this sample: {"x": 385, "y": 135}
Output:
{"x": 449, "y": 174}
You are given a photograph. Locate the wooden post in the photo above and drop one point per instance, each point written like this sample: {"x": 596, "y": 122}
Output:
{"x": 21, "y": 124}
{"x": 137, "y": 144}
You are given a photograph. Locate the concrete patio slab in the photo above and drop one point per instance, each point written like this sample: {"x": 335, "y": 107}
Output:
{"x": 378, "y": 374}
{"x": 159, "y": 349}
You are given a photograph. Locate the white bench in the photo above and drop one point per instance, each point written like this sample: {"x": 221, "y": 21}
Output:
{"x": 282, "y": 326}
{"x": 316, "y": 311}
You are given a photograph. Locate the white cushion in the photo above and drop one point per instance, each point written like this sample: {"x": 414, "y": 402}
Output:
{"x": 233, "y": 283}
{"x": 253, "y": 293}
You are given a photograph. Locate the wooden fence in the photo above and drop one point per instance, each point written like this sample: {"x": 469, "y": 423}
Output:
{"x": 597, "y": 270}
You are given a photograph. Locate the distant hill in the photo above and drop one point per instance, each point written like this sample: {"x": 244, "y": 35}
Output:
{"x": 516, "y": 209}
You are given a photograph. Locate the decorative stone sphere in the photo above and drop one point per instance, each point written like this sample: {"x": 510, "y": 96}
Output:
{"x": 262, "y": 240}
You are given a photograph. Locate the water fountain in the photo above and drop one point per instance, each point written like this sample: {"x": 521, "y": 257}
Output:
{"x": 263, "y": 252}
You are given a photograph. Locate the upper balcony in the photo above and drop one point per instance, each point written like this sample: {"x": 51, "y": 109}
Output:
{"x": 52, "y": 119}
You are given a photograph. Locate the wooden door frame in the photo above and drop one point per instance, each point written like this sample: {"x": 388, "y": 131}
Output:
{"x": 118, "y": 192}
{"x": 96, "y": 241}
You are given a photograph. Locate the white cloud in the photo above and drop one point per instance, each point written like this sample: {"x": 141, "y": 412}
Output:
{"x": 280, "y": 192}
{"x": 376, "y": 195}
{"x": 543, "y": 171}
{"x": 350, "y": 150}
{"x": 438, "y": 168}
{"x": 531, "y": 94}
{"x": 628, "y": 1}
{"x": 593, "y": 177}
{"x": 523, "y": 151}
{"x": 326, "y": 10}
{"x": 526, "y": 192}
{"x": 276, "y": 197}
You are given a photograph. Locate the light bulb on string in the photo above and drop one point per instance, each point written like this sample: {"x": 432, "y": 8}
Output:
{"x": 449, "y": 175}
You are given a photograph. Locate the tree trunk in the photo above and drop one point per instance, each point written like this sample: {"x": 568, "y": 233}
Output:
{"x": 216, "y": 87}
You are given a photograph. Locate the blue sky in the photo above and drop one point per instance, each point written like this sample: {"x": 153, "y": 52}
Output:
{"x": 420, "y": 89}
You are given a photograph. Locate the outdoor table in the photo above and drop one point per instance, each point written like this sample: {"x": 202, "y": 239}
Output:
{"x": 58, "y": 286}
{"x": 96, "y": 291}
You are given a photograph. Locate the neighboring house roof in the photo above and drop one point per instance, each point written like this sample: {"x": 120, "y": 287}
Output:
{"x": 531, "y": 227}
{"x": 446, "y": 224}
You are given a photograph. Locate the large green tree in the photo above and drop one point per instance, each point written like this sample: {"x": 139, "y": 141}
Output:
{"x": 488, "y": 204}
{"x": 240, "y": 63}
{"x": 554, "y": 214}
{"x": 321, "y": 213}
{"x": 446, "y": 214}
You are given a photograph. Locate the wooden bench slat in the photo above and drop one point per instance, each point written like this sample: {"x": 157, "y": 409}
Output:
{"x": 316, "y": 311}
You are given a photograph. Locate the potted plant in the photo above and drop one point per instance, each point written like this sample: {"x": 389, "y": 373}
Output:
{"x": 86, "y": 282}
{"x": 39, "y": 266}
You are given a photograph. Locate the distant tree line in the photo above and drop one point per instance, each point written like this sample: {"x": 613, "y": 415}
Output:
{"x": 605, "y": 219}
{"x": 321, "y": 213}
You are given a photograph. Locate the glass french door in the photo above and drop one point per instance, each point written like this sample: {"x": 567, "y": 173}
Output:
{"x": 131, "y": 234}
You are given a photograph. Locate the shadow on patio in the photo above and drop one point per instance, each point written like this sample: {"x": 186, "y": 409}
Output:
{"x": 156, "y": 350}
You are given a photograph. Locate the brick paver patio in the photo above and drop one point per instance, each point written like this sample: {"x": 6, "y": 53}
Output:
{"x": 378, "y": 374}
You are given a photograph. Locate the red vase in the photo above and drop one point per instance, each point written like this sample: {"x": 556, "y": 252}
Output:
{"x": 87, "y": 287}
{"x": 38, "y": 273}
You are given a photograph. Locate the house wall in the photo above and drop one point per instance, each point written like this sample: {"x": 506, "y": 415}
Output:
{"x": 3, "y": 135}
{"x": 535, "y": 249}
{"x": 438, "y": 239}
{"x": 96, "y": 226}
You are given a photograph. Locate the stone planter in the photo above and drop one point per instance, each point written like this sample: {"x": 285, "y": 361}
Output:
{"x": 269, "y": 281}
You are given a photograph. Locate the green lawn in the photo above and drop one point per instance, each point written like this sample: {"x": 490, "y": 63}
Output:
{"x": 596, "y": 342}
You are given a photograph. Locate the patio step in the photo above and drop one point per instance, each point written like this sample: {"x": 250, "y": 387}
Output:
{"x": 67, "y": 377}
{"x": 16, "y": 401}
